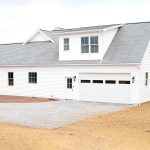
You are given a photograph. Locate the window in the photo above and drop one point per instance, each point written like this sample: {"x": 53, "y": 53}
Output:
{"x": 10, "y": 78}
{"x": 84, "y": 44}
{"x": 32, "y": 77}
{"x": 110, "y": 82}
{"x": 94, "y": 44}
{"x": 89, "y": 44}
{"x": 124, "y": 82}
{"x": 66, "y": 44}
{"x": 69, "y": 83}
{"x": 97, "y": 81}
{"x": 146, "y": 78}
{"x": 85, "y": 81}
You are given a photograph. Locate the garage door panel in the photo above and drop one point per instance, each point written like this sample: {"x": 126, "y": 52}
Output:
{"x": 119, "y": 93}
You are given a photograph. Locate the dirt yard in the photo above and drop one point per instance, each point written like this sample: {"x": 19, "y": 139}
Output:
{"x": 21, "y": 99}
{"x": 125, "y": 130}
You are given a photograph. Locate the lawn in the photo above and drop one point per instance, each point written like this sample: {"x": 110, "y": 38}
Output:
{"x": 124, "y": 130}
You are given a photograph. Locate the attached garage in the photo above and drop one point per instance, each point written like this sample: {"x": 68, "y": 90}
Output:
{"x": 105, "y": 87}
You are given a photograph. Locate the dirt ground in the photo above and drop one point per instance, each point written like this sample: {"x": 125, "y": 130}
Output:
{"x": 124, "y": 130}
{"x": 21, "y": 99}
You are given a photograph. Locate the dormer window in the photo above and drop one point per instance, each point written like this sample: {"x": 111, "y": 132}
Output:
{"x": 89, "y": 44}
{"x": 94, "y": 44}
{"x": 66, "y": 44}
{"x": 84, "y": 44}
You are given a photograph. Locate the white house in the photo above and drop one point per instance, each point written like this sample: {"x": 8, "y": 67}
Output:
{"x": 107, "y": 63}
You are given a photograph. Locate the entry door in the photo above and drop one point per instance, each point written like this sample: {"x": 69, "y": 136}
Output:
{"x": 69, "y": 88}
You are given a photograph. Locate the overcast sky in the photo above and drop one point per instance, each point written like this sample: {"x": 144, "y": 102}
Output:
{"x": 19, "y": 19}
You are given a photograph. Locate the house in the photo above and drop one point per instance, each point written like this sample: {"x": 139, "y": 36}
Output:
{"x": 107, "y": 63}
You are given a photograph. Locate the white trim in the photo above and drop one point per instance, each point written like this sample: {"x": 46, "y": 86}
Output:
{"x": 35, "y": 34}
{"x": 110, "y": 28}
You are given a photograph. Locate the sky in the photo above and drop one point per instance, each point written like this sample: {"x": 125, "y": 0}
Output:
{"x": 19, "y": 19}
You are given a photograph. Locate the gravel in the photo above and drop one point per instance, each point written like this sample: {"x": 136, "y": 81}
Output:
{"x": 55, "y": 114}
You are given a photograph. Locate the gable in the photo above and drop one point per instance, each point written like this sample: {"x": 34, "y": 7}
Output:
{"x": 39, "y": 37}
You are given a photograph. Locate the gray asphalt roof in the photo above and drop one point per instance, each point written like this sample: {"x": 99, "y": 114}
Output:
{"x": 128, "y": 46}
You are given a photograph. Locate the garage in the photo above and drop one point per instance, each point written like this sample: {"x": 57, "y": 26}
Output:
{"x": 112, "y": 87}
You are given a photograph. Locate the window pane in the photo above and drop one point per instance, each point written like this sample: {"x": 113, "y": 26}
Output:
{"x": 32, "y": 78}
{"x": 124, "y": 82}
{"x": 86, "y": 40}
{"x": 85, "y": 81}
{"x": 10, "y": 82}
{"x": 66, "y": 41}
{"x": 94, "y": 40}
{"x": 97, "y": 81}
{"x": 110, "y": 81}
{"x": 85, "y": 49}
{"x": 94, "y": 48}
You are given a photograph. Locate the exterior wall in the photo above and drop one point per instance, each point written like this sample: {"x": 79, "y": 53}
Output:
{"x": 145, "y": 67}
{"x": 74, "y": 53}
{"x": 51, "y": 80}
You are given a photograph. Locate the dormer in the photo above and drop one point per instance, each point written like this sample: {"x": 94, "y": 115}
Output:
{"x": 85, "y": 43}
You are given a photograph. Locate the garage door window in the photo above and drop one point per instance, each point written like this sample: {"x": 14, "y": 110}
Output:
{"x": 124, "y": 82}
{"x": 97, "y": 81}
{"x": 85, "y": 81}
{"x": 110, "y": 82}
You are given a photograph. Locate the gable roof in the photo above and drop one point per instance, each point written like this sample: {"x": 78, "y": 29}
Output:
{"x": 127, "y": 47}
{"x": 129, "y": 44}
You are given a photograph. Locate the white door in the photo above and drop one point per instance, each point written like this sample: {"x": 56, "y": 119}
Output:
{"x": 105, "y": 87}
{"x": 69, "y": 88}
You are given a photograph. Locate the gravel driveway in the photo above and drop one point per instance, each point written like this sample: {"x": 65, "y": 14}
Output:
{"x": 53, "y": 114}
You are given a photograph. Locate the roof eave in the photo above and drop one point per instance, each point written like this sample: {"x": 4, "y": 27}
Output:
{"x": 86, "y": 31}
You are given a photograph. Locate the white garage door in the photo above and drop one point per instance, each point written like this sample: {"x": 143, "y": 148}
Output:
{"x": 105, "y": 87}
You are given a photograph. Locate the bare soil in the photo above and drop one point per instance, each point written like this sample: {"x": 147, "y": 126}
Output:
{"x": 21, "y": 99}
{"x": 124, "y": 130}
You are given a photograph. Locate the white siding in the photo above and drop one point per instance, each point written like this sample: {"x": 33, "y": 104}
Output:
{"x": 145, "y": 67}
{"x": 74, "y": 53}
{"x": 51, "y": 80}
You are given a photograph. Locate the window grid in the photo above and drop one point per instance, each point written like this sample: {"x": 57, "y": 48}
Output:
{"x": 94, "y": 44}
{"x": 89, "y": 44}
{"x": 146, "y": 78}
{"x": 10, "y": 78}
{"x": 69, "y": 83}
{"x": 85, "y": 44}
{"x": 32, "y": 77}
{"x": 66, "y": 44}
